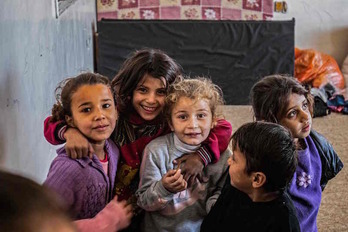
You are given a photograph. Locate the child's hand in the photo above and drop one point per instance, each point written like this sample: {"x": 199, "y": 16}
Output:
{"x": 115, "y": 216}
{"x": 193, "y": 167}
{"x": 174, "y": 181}
{"x": 123, "y": 210}
{"x": 77, "y": 146}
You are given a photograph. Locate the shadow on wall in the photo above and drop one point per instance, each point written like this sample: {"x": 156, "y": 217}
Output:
{"x": 333, "y": 42}
{"x": 9, "y": 143}
{"x": 339, "y": 39}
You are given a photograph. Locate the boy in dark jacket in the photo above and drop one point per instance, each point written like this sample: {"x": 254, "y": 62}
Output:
{"x": 254, "y": 198}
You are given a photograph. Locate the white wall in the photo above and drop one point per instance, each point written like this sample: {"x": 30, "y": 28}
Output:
{"x": 36, "y": 52}
{"x": 321, "y": 25}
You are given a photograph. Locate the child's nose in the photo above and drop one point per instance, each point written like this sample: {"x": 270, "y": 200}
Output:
{"x": 151, "y": 98}
{"x": 193, "y": 122}
{"x": 99, "y": 114}
{"x": 304, "y": 115}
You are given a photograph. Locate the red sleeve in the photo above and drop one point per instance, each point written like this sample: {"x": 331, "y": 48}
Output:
{"x": 217, "y": 142}
{"x": 54, "y": 131}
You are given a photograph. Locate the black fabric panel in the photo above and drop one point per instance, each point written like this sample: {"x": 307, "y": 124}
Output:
{"x": 235, "y": 54}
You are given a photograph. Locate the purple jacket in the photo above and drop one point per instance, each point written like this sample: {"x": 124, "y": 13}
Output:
{"x": 81, "y": 183}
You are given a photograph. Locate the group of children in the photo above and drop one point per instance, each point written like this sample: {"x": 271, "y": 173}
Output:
{"x": 149, "y": 152}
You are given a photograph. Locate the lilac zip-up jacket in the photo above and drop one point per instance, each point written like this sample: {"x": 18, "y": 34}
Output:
{"x": 81, "y": 183}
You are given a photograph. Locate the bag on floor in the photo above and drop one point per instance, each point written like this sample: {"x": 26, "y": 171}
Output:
{"x": 318, "y": 69}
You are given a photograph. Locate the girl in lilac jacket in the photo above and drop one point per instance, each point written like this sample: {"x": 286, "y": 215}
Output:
{"x": 86, "y": 185}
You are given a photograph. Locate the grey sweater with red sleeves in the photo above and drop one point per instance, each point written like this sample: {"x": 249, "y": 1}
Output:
{"x": 183, "y": 211}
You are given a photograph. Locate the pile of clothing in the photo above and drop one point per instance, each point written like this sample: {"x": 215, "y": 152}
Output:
{"x": 325, "y": 101}
{"x": 327, "y": 81}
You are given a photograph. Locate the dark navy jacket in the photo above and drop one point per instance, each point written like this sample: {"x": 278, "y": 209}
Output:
{"x": 331, "y": 163}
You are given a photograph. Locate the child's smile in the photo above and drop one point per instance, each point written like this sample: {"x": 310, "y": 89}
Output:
{"x": 148, "y": 97}
{"x": 149, "y": 109}
{"x": 93, "y": 112}
{"x": 101, "y": 128}
{"x": 191, "y": 120}
{"x": 193, "y": 135}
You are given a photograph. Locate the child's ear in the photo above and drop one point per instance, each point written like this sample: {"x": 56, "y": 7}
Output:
{"x": 69, "y": 120}
{"x": 213, "y": 123}
{"x": 259, "y": 179}
{"x": 116, "y": 112}
{"x": 170, "y": 125}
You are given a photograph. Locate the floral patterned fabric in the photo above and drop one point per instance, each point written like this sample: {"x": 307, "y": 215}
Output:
{"x": 186, "y": 9}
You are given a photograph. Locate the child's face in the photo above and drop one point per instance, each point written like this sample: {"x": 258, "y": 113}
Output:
{"x": 148, "y": 97}
{"x": 239, "y": 177}
{"x": 93, "y": 112}
{"x": 297, "y": 118}
{"x": 191, "y": 120}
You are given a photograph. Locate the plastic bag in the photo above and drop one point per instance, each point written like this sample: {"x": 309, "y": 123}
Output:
{"x": 317, "y": 69}
{"x": 344, "y": 69}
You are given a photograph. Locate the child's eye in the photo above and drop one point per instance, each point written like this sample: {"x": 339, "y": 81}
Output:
{"x": 201, "y": 116}
{"x": 107, "y": 105}
{"x": 292, "y": 113}
{"x": 162, "y": 92}
{"x": 182, "y": 117}
{"x": 305, "y": 106}
{"x": 86, "y": 110}
{"x": 142, "y": 89}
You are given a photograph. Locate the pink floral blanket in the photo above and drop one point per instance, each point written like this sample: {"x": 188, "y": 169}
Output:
{"x": 186, "y": 9}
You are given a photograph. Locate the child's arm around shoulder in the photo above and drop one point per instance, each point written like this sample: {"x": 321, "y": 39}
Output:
{"x": 53, "y": 131}
{"x": 331, "y": 163}
{"x": 217, "y": 141}
{"x": 77, "y": 146}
